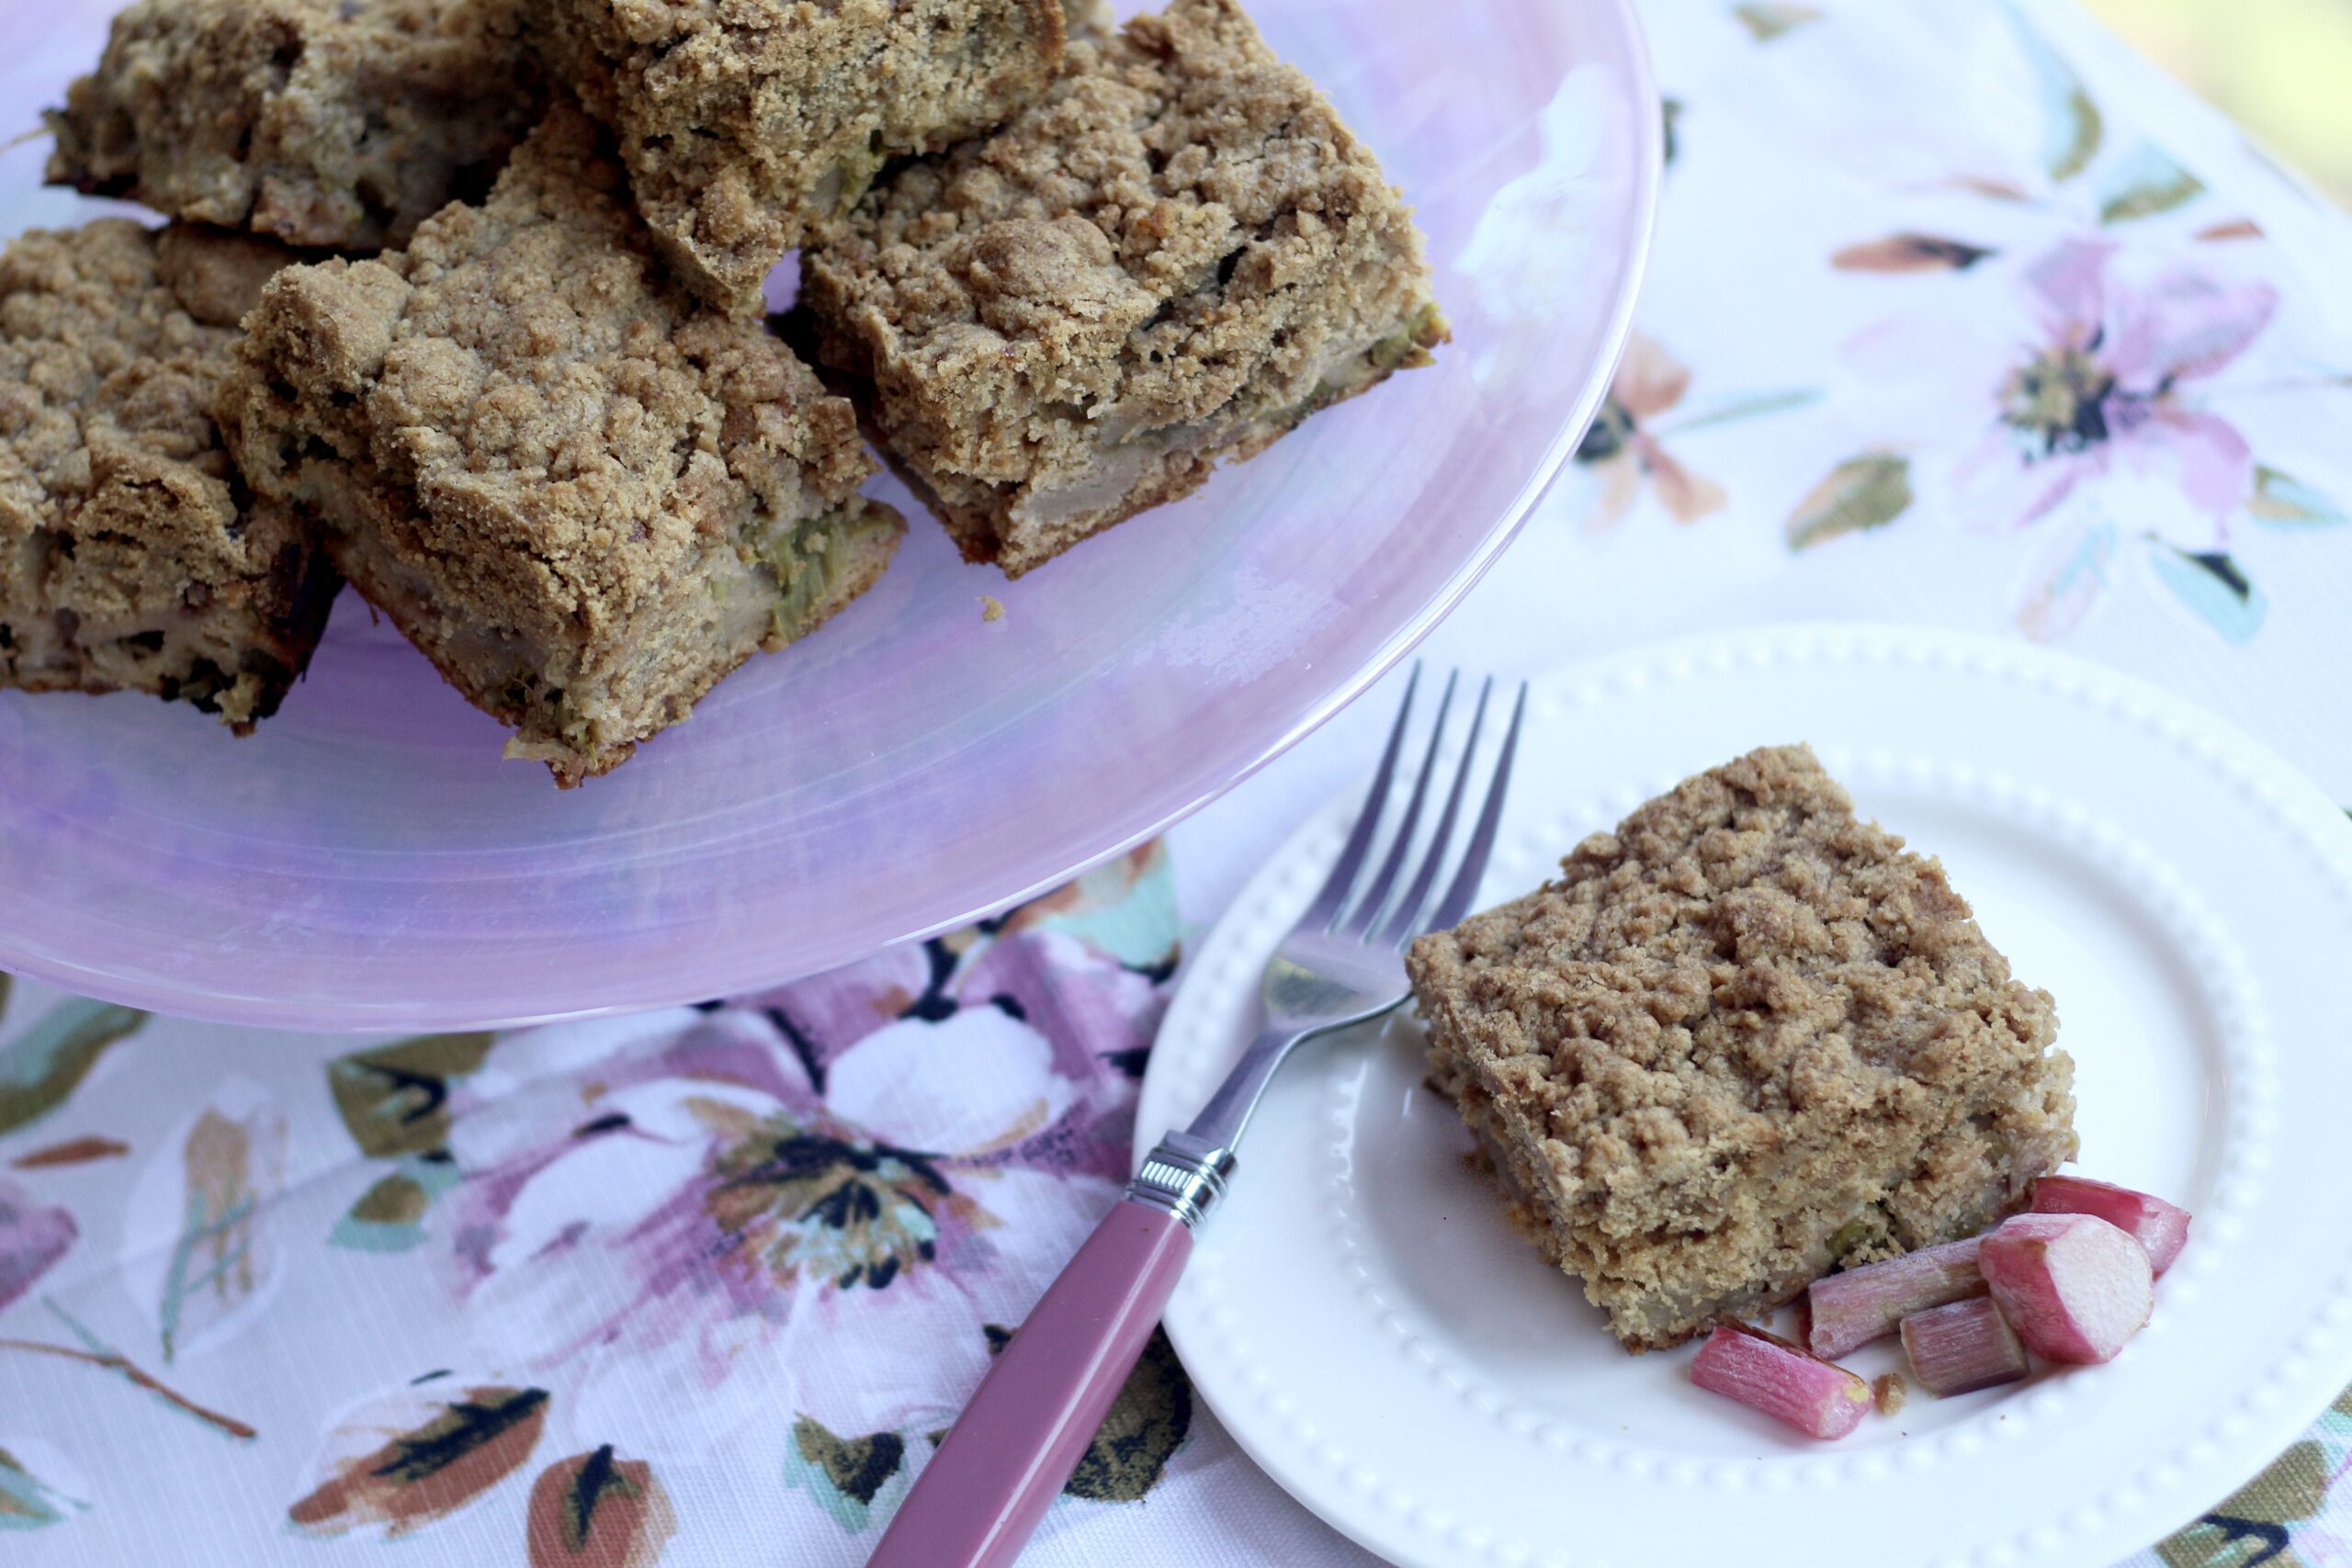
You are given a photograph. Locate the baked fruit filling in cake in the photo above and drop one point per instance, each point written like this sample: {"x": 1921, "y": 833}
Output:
{"x": 1174, "y": 257}
{"x": 332, "y": 123}
{"x": 1743, "y": 1040}
{"x": 745, "y": 123}
{"x": 131, "y": 555}
{"x": 585, "y": 494}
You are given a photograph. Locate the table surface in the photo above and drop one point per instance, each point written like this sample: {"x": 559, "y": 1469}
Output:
{"x": 1959, "y": 315}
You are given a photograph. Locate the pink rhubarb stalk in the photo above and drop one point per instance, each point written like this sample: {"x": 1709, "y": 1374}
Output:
{"x": 1767, "y": 1374}
{"x": 2073, "y": 1286}
{"x": 1851, "y": 1309}
{"x": 2161, "y": 1227}
{"x": 1962, "y": 1348}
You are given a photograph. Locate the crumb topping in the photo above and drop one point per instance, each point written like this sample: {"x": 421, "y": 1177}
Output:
{"x": 112, "y": 344}
{"x": 1162, "y": 233}
{"x": 130, "y": 554}
{"x": 529, "y": 370}
{"x": 745, "y": 122}
{"x": 1742, "y": 1038}
{"x": 337, "y": 123}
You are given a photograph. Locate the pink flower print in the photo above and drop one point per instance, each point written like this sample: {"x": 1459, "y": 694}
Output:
{"x": 33, "y": 1237}
{"x": 668, "y": 1217}
{"x": 841, "y": 1185}
{"x": 2104, "y": 391}
{"x": 1621, "y": 447}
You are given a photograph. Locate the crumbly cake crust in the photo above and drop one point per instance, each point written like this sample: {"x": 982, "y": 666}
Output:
{"x": 130, "y": 558}
{"x": 1175, "y": 256}
{"x": 330, "y": 123}
{"x": 1741, "y": 1041}
{"x": 743, "y": 122}
{"x": 583, "y": 494}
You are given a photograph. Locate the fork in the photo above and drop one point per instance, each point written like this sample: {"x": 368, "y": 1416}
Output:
{"x": 1016, "y": 1443}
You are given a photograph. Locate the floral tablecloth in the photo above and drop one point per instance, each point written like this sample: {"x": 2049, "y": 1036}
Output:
{"x": 1959, "y": 315}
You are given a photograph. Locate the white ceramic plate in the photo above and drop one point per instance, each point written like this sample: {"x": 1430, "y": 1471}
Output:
{"x": 1362, "y": 1319}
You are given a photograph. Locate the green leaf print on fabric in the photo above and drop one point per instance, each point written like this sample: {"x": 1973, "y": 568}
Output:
{"x": 2280, "y": 501}
{"x": 2219, "y": 1541}
{"x": 853, "y": 1478}
{"x": 231, "y": 1166}
{"x": 1910, "y": 253}
{"x": 397, "y": 1199}
{"x": 389, "y": 1217}
{"x": 2074, "y": 128}
{"x": 40, "y": 1067}
{"x": 1748, "y": 406}
{"x": 2293, "y": 1487}
{"x": 1868, "y": 491}
{"x": 2249, "y": 1530}
{"x": 1125, "y": 907}
{"x": 594, "y": 1511}
{"x": 2212, "y": 583}
{"x": 395, "y": 1098}
{"x": 2085, "y": 129}
{"x": 2057, "y": 604}
{"x": 27, "y": 1502}
{"x": 2144, "y": 183}
{"x": 415, "y": 1457}
{"x": 1147, "y": 1422}
{"x": 1767, "y": 22}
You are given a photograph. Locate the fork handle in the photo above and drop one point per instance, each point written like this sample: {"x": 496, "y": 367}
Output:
{"x": 1009, "y": 1454}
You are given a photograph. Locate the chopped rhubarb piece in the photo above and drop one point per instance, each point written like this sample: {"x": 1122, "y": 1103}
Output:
{"x": 1887, "y": 1390}
{"x": 1851, "y": 1309}
{"x": 2159, "y": 1226}
{"x": 1962, "y": 1348}
{"x": 2073, "y": 1286}
{"x": 1766, "y": 1373}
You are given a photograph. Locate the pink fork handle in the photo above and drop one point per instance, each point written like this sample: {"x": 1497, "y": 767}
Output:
{"x": 1010, "y": 1452}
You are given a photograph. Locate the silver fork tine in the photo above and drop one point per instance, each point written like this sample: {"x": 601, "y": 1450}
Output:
{"x": 1482, "y": 841}
{"x": 1325, "y": 908}
{"x": 1401, "y": 924}
{"x": 1368, "y": 906}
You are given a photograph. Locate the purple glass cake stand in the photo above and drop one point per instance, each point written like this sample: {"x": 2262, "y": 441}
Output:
{"x": 368, "y": 861}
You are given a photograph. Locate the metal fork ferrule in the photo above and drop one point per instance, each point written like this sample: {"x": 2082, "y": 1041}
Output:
{"x": 1184, "y": 1175}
